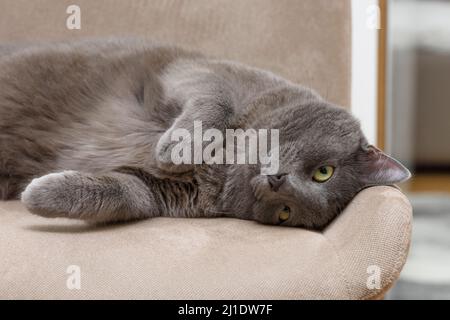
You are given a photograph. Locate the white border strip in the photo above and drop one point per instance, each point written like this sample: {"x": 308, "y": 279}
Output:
{"x": 365, "y": 66}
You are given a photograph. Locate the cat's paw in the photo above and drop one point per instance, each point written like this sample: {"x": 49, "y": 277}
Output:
{"x": 50, "y": 195}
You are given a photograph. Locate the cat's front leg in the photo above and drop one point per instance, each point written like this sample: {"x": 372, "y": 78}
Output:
{"x": 196, "y": 119}
{"x": 105, "y": 198}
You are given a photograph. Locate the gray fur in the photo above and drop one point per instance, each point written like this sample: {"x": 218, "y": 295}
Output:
{"x": 95, "y": 114}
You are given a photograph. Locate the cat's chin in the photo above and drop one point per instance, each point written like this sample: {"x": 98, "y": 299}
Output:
{"x": 238, "y": 192}
{"x": 260, "y": 186}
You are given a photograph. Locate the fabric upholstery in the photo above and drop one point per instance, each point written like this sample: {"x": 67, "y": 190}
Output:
{"x": 168, "y": 258}
{"x": 306, "y": 41}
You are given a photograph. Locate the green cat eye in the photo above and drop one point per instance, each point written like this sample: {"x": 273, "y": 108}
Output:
{"x": 323, "y": 174}
{"x": 284, "y": 213}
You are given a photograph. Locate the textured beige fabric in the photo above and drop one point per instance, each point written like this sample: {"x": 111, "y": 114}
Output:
{"x": 206, "y": 259}
{"x": 306, "y": 41}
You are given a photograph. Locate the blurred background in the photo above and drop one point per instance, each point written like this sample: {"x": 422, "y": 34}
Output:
{"x": 417, "y": 132}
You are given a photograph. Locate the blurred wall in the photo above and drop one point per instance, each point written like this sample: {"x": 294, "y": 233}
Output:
{"x": 432, "y": 124}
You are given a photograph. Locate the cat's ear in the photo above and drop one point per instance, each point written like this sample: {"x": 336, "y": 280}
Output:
{"x": 377, "y": 168}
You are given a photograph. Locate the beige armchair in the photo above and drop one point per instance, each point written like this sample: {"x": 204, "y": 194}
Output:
{"x": 359, "y": 256}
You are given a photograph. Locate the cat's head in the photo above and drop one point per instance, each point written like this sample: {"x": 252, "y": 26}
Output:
{"x": 325, "y": 161}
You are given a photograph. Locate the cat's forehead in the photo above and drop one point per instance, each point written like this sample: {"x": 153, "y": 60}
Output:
{"x": 319, "y": 119}
{"x": 320, "y": 130}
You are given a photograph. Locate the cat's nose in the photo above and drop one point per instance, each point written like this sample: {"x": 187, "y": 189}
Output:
{"x": 276, "y": 181}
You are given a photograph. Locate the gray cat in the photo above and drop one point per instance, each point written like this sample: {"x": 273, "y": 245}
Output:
{"x": 85, "y": 134}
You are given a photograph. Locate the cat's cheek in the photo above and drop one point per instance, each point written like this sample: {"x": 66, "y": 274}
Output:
{"x": 264, "y": 214}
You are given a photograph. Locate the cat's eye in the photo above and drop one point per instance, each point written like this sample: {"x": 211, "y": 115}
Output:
{"x": 284, "y": 213}
{"x": 323, "y": 174}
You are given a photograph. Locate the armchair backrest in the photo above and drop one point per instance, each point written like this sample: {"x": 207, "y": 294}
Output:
{"x": 306, "y": 41}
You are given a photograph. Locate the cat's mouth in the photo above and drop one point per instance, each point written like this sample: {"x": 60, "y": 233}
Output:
{"x": 260, "y": 186}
